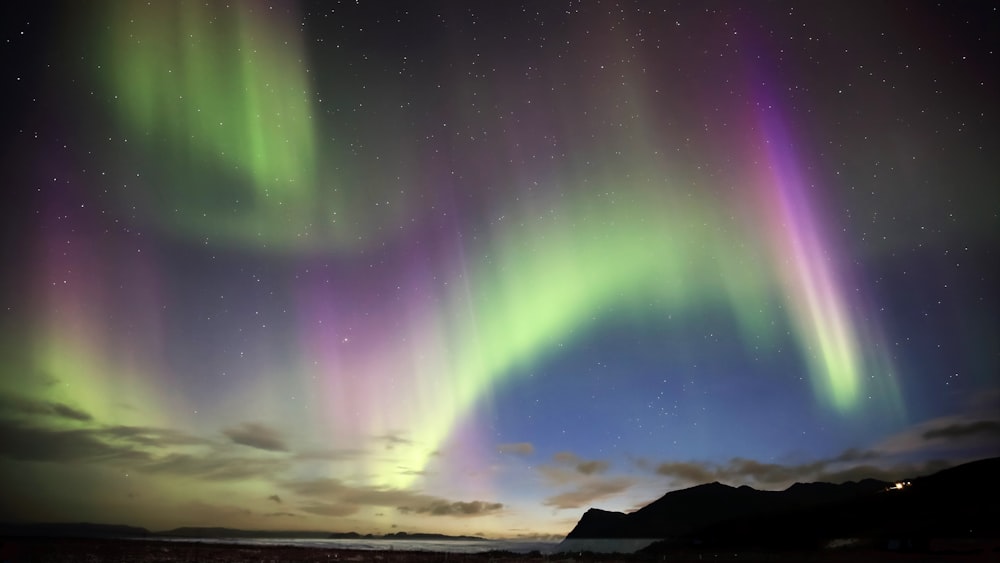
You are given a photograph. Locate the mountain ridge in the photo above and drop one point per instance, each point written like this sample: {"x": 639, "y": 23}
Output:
{"x": 809, "y": 514}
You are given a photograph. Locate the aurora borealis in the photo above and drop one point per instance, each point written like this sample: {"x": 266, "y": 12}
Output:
{"x": 466, "y": 268}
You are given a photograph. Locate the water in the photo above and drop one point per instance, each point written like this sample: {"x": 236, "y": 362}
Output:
{"x": 450, "y": 546}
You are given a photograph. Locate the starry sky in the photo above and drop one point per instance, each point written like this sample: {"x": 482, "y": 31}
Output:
{"x": 474, "y": 267}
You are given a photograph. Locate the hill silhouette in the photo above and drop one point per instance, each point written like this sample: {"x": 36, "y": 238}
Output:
{"x": 961, "y": 502}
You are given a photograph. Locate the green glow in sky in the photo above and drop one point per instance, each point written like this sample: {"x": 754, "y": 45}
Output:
{"x": 548, "y": 278}
{"x": 231, "y": 88}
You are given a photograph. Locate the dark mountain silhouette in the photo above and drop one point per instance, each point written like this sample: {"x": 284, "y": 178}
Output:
{"x": 686, "y": 511}
{"x": 961, "y": 502}
{"x": 600, "y": 524}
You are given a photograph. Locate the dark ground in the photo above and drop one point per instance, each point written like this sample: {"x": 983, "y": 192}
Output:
{"x": 64, "y": 550}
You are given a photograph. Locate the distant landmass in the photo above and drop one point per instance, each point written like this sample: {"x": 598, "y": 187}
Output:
{"x": 406, "y": 536}
{"x": 90, "y": 530}
{"x": 957, "y": 503}
{"x": 72, "y": 530}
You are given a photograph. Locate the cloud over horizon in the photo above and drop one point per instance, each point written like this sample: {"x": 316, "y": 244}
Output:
{"x": 516, "y": 448}
{"x": 959, "y": 430}
{"x": 37, "y": 407}
{"x": 256, "y": 435}
{"x": 586, "y": 467}
{"x": 144, "y": 449}
{"x": 588, "y": 492}
{"x": 585, "y": 479}
{"x": 30, "y": 443}
{"x": 332, "y": 497}
{"x": 958, "y": 441}
{"x": 457, "y": 508}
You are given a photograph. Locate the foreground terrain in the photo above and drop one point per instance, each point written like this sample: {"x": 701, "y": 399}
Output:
{"x": 62, "y": 550}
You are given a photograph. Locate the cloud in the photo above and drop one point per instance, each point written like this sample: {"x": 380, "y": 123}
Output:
{"x": 318, "y": 487}
{"x": 689, "y": 472}
{"x": 856, "y": 454}
{"x": 275, "y": 498}
{"x": 216, "y": 467}
{"x": 132, "y": 449}
{"x": 27, "y": 406}
{"x": 516, "y": 448}
{"x": 963, "y": 436}
{"x": 893, "y": 472}
{"x": 257, "y": 436}
{"x": 151, "y": 437}
{"x": 568, "y": 458}
{"x": 983, "y": 428}
{"x": 28, "y": 443}
{"x": 65, "y": 411}
{"x": 331, "y": 455}
{"x": 333, "y": 497}
{"x": 556, "y": 475}
{"x": 392, "y": 440}
{"x": 330, "y": 509}
{"x": 742, "y": 471}
{"x": 591, "y": 467}
{"x": 458, "y": 508}
{"x": 584, "y": 479}
{"x": 586, "y": 467}
{"x": 940, "y": 443}
{"x": 851, "y": 465}
{"x": 588, "y": 492}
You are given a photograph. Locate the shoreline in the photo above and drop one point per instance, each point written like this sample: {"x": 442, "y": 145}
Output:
{"x": 143, "y": 550}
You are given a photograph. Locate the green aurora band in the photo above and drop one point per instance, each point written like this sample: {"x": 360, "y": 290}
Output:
{"x": 221, "y": 91}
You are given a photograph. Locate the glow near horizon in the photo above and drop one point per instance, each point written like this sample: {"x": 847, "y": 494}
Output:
{"x": 530, "y": 287}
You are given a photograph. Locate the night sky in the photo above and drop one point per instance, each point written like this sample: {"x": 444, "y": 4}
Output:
{"x": 474, "y": 267}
